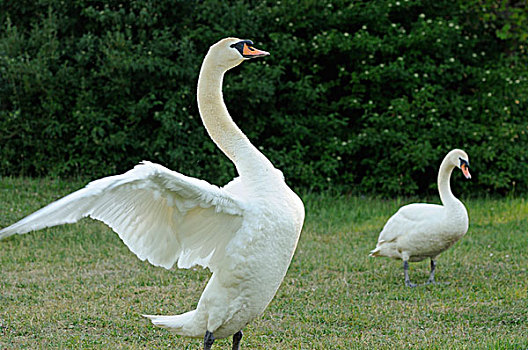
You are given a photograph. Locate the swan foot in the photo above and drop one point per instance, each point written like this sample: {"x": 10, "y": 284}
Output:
{"x": 236, "y": 340}
{"x": 208, "y": 340}
{"x": 408, "y": 282}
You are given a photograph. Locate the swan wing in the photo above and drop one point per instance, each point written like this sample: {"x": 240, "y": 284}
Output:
{"x": 161, "y": 215}
{"x": 409, "y": 219}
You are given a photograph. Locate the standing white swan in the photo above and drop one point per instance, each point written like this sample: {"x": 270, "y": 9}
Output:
{"x": 245, "y": 233}
{"x": 418, "y": 231}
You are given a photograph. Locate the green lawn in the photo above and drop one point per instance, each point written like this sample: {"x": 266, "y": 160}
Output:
{"x": 79, "y": 287}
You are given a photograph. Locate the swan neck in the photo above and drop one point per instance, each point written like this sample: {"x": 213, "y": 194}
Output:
{"x": 215, "y": 116}
{"x": 444, "y": 185}
{"x": 219, "y": 124}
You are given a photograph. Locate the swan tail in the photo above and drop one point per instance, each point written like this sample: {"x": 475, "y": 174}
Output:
{"x": 180, "y": 324}
{"x": 375, "y": 252}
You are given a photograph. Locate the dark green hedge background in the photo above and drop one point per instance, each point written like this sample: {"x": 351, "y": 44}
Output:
{"x": 359, "y": 96}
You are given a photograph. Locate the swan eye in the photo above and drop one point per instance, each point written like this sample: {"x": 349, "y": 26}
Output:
{"x": 463, "y": 163}
{"x": 240, "y": 45}
{"x": 246, "y": 49}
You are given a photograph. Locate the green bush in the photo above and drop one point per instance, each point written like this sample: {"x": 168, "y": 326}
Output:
{"x": 357, "y": 96}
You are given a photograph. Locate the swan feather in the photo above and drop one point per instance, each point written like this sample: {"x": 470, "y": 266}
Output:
{"x": 161, "y": 215}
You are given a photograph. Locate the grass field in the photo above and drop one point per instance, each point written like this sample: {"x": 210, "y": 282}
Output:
{"x": 79, "y": 287}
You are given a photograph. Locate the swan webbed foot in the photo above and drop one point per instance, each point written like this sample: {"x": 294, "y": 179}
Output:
{"x": 208, "y": 340}
{"x": 236, "y": 340}
{"x": 408, "y": 282}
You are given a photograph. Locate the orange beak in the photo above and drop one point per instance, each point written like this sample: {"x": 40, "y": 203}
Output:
{"x": 251, "y": 52}
{"x": 465, "y": 171}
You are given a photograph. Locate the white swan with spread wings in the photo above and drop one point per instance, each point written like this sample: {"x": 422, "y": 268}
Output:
{"x": 245, "y": 233}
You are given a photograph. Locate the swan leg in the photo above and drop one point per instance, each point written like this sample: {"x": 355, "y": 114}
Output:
{"x": 208, "y": 340}
{"x": 236, "y": 340}
{"x": 406, "y": 273}
{"x": 431, "y": 279}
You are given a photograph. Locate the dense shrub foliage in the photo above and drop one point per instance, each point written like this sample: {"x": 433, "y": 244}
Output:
{"x": 362, "y": 96}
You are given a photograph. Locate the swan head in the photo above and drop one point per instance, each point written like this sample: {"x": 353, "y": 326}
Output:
{"x": 230, "y": 52}
{"x": 460, "y": 159}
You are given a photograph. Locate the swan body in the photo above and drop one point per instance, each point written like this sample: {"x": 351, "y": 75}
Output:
{"x": 245, "y": 232}
{"x": 418, "y": 231}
